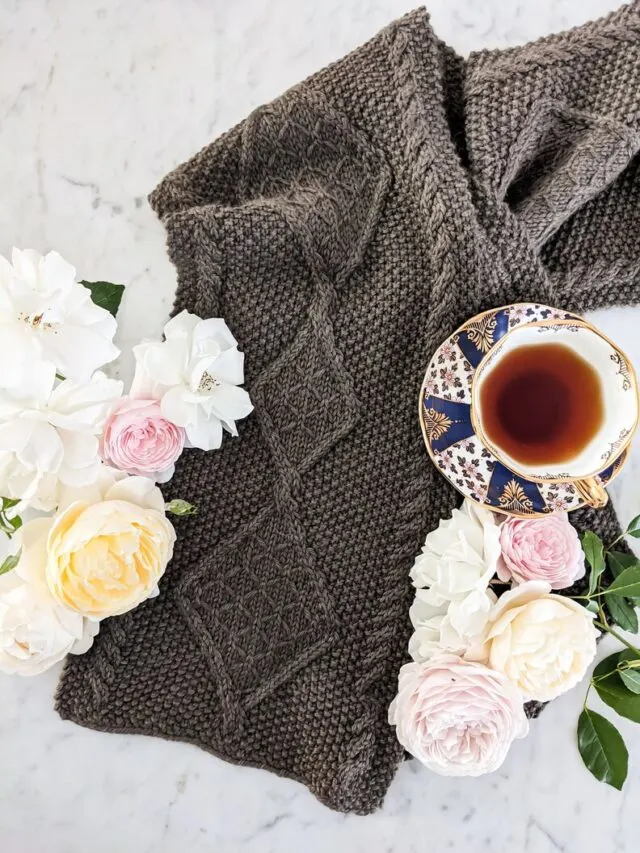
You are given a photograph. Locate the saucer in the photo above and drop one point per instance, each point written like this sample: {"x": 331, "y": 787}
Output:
{"x": 452, "y": 443}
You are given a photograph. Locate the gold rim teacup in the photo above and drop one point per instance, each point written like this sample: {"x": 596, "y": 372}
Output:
{"x": 620, "y": 399}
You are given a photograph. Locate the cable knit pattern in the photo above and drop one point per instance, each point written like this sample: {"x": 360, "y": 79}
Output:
{"x": 343, "y": 231}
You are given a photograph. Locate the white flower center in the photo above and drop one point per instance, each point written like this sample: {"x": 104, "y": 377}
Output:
{"x": 208, "y": 383}
{"x": 36, "y": 321}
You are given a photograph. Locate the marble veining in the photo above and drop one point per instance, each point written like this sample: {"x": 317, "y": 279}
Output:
{"x": 99, "y": 99}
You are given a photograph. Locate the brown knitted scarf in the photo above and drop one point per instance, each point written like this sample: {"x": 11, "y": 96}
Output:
{"x": 343, "y": 231}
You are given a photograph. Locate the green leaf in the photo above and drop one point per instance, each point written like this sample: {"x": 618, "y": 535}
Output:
{"x": 592, "y": 606}
{"x": 180, "y": 507}
{"x": 10, "y": 563}
{"x": 594, "y": 552}
{"x": 627, "y": 584}
{"x": 634, "y": 527}
{"x": 105, "y": 294}
{"x": 602, "y": 749}
{"x": 15, "y": 522}
{"x": 623, "y": 613}
{"x": 612, "y": 689}
{"x": 631, "y": 679}
{"x": 6, "y": 527}
{"x": 619, "y": 561}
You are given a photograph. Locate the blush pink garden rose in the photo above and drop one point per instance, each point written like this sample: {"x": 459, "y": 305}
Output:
{"x": 541, "y": 549}
{"x": 457, "y": 717}
{"x": 137, "y": 439}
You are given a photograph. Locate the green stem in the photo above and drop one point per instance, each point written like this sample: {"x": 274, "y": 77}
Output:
{"x": 615, "y": 541}
{"x": 618, "y": 637}
{"x": 601, "y": 613}
{"x": 602, "y": 616}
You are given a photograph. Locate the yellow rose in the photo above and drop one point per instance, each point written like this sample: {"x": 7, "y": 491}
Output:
{"x": 542, "y": 642}
{"x": 107, "y": 550}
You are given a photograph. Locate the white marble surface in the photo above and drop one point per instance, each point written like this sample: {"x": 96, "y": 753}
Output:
{"x": 99, "y": 99}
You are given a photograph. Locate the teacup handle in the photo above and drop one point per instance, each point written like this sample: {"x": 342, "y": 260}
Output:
{"x": 593, "y": 492}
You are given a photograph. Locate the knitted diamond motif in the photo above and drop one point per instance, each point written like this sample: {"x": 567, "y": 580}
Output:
{"x": 257, "y": 605}
{"x": 255, "y": 602}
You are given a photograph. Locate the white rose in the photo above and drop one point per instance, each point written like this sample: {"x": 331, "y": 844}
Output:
{"x": 543, "y": 643}
{"x": 458, "y": 627}
{"x": 35, "y": 631}
{"x": 49, "y": 433}
{"x": 45, "y": 313}
{"x": 195, "y": 373}
{"x": 461, "y": 556}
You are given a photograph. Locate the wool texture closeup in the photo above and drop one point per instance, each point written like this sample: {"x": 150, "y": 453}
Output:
{"x": 343, "y": 231}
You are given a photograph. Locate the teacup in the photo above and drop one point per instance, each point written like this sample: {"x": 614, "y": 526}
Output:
{"x": 529, "y": 420}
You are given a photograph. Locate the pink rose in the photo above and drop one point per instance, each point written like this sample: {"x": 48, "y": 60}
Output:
{"x": 139, "y": 440}
{"x": 457, "y": 717}
{"x": 546, "y": 549}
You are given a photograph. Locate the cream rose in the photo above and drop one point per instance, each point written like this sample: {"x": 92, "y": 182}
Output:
{"x": 542, "y": 642}
{"x": 457, "y": 718}
{"x": 461, "y": 556}
{"x": 107, "y": 550}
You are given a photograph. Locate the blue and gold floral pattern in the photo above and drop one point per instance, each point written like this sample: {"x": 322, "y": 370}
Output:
{"x": 445, "y": 413}
{"x": 436, "y": 423}
{"x": 446, "y": 422}
{"x": 478, "y": 336}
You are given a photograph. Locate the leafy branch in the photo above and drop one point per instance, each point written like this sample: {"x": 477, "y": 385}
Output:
{"x": 616, "y": 679}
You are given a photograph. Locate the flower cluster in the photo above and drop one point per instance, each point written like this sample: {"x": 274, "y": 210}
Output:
{"x": 83, "y": 527}
{"x": 477, "y": 657}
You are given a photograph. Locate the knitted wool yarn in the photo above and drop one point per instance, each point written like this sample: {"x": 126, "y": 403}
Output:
{"x": 343, "y": 231}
